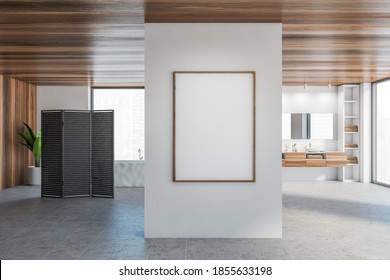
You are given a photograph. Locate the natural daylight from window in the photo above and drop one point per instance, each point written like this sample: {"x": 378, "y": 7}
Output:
{"x": 129, "y": 118}
{"x": 383, "y": 132}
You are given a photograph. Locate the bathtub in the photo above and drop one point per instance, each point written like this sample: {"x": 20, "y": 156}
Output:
{"x": 129, "y": 173}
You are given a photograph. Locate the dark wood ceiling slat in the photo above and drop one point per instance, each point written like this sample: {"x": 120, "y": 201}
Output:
{"x": 102, "y": 42}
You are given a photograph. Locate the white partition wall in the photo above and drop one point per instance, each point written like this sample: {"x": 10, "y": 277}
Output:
{"x": 214, "y": 209}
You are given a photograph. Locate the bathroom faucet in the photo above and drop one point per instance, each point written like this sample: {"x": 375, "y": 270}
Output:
{"x": 294, "y": 148}
{"x": 140, "y": 157}
{"x": 286, "y": 148}
{"x": 309, "y": 145}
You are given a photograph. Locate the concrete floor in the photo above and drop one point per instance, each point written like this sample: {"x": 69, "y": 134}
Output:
{"x": 321, "y": 220}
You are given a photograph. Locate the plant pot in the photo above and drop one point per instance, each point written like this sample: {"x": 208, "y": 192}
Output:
{"x": 34, "y": 175}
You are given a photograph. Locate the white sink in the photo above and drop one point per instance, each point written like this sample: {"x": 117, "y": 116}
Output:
{"x": 314, "y": 151}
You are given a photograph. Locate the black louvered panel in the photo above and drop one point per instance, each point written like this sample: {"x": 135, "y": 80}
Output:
{"x": 103, "y": 153}
{"x": 51, "y": 124}
{"x": 77, "y": 168}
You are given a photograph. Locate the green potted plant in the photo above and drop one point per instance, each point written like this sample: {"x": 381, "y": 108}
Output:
{"x": 33, "y": 142}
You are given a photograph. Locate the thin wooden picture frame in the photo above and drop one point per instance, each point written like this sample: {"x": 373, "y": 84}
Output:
{"x": 184, "y": 88}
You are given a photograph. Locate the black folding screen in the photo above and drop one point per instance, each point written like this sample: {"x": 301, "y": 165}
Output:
{"x": 77, "y": 153}
{"x": 52, "y": 171}
{"x": 102, "y": 153}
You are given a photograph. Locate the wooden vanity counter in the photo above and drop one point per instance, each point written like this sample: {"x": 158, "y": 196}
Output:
{"x": 302, "y": 159}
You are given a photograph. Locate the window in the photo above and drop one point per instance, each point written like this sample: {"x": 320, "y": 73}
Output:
{"x": 129, "y": 117}
{"x": 381, "y": 135}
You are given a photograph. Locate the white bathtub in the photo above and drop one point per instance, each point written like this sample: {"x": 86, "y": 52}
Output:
{"x": 129, "y": 173}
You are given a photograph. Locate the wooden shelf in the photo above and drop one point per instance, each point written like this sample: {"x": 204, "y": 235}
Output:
{"x": 351, "y": 148}
{"x": 351, "y": 117}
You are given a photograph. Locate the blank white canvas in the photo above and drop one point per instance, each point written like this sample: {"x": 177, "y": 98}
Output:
{"x": 214, "y": 126}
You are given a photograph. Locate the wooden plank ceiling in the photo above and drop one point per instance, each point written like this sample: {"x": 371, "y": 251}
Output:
{"x": 98, "y": 43}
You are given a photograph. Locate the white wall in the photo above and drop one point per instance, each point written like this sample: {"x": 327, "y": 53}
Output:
{"x": 313, "y": 99}
{"x": 365, "y": 133}
{"x": 235, "y": 210}
{"x": 61, "y": 97}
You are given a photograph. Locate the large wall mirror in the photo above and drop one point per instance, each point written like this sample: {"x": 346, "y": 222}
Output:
{"x": 309, "y": 126}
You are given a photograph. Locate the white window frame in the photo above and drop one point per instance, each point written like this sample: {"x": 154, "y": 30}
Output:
{"x": 374, "y": 133}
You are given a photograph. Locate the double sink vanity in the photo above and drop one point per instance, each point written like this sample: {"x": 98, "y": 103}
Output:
{"x": 317, "y": 127}
{"x": 314, "y": 159}
{"x": 322, "y": 127}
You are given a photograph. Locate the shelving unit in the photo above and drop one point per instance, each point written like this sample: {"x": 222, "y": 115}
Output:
{"x": 349, "y": 131}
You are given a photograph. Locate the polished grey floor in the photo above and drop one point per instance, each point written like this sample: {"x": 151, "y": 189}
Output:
{"x": 321, "y": 220}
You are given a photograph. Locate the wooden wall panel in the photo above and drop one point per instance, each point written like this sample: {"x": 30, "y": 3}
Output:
{"x": 17, "y": 105}
{"x": 2, "y": 157}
